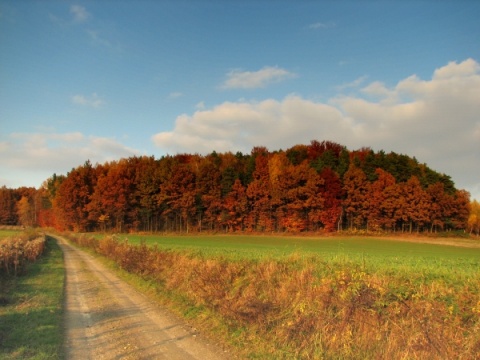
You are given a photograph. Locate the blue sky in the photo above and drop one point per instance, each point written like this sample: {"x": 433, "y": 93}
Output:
{"x": 102, "y": 80}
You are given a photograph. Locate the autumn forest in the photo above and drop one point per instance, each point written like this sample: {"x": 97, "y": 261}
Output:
{"x": 322, "y": 186}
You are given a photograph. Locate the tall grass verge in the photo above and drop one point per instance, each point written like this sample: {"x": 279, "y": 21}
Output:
{"x": 17, "y": 251}
{"x": 31, "y": 309}
{"x": 303, "y": 306}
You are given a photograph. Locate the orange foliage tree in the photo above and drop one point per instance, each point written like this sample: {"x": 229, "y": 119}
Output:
{"x": 382, "y": 198}
{"x": 177, "y": 197}
{"x": 235, "y": 207}
{"x": 413, "y": 207}
{"x": 357, "y": 190}
{"x": 259, "y": 217}
{"x": 72, "y": 199}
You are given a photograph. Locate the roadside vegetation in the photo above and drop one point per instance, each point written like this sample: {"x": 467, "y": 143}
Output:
{"x": 31, "y": 296}
{"x": 401, "y": 300}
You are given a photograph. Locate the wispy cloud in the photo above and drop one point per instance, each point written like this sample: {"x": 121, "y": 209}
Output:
{"x": 99, "y": 33}
{"x": 200, "y": 105}
{"x": 79, "y": 13}
{"x": 321, "y": 25}
{"x": 174, "y": 95}
{"x": 104, "y": 38}
{"x": 237, "y": 79}
{"x": 97, "y": 39}
{"x": 78, "y": 16}
{"x": 93, "y": 100}
{"x": 353, "y": 84}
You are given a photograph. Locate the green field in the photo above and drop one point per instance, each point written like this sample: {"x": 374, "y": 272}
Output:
{"x": 376, "y": 254}
{"x": 259, "y": 245}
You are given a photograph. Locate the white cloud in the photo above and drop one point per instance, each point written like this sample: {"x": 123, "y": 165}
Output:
{"x": 79, "y": 13}
{"x": 435, "y": 120}
{"x": 455, "y": 70}
{"x": 242, "y": 125}
{"x": 237, "y": 79}
{"x": 91, "y": 101}
{"x": 38, "y": 155}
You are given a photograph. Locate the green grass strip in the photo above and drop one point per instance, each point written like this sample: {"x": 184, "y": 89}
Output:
{"x": 31, "y": 308}
{"x": 8, "y": 233}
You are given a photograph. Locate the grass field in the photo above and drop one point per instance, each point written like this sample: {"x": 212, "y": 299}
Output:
{"x": 451, "y": 258}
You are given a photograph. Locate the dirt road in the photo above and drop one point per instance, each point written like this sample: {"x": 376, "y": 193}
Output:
{"x": 105, "y": 318}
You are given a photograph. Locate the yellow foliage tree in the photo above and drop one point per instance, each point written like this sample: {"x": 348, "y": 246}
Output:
{"x": 25, "y": 211}
{"x": 474, "y": 218}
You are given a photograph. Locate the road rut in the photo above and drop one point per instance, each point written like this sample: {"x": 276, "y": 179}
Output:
{"x": 105, "y": 318}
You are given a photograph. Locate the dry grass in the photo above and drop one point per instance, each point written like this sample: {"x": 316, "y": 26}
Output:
{"x": 466, "y": 242}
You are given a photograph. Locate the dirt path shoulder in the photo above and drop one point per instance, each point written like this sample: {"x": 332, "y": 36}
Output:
{"x": 105, "y": 318}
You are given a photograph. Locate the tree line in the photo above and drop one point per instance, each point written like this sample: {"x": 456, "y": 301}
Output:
{"x": 322, "y": 186}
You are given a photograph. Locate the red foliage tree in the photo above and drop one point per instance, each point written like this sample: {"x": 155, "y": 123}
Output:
{"x": 235, "y": 207}
{"x": 8, "y": 201}
{"x": 316, "y": 149}
{"x": 331, "y": 191}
